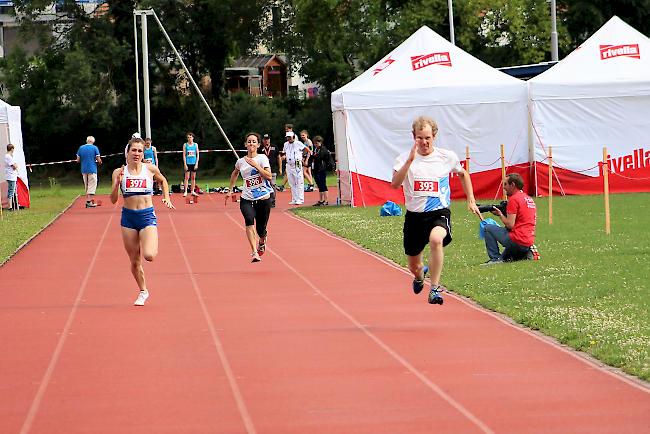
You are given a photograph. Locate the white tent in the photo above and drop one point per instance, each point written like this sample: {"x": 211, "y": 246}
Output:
{"x": 10, "y": 132}
{"x": 598, "y": 96}
{"x": 474, "y": 105}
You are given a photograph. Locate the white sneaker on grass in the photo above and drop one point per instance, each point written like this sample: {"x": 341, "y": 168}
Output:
{"x": 142, "y": 297}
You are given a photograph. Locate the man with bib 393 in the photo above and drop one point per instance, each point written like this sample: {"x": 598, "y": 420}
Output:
{"x": 424, "y": 173}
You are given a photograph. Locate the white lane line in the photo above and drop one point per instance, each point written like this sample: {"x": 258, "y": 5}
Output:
{"x": 241, "y": 405}
{"x": 430, "y": 384}
{"x": 545, "y": 339}
{"x": 36, "y": 403}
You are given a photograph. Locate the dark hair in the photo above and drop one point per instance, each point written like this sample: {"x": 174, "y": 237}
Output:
{"x": 10, "y": 147}
{"x": 318, "y": 139}
{"x": 253, "y": 133}
{"x": 190, "y": 134}
{"x": 134, "y": 141}
{"x": 515, "y": 178}
{"x": 288, "y": 127}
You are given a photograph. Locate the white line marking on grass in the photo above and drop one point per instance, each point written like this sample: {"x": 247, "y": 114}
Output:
{"x": 36, "y": 403}
{"x": 546, "y": 339}
{"x": 241, "y": 405}
{"x": 401, "y": 360}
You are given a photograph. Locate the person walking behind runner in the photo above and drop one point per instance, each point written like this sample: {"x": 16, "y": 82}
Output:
{"x": 274, "y": 160}
{"x": 293, "y": 151}
{"x": 518, "y": 235}
{"x": 150, "y": 156}
{"x": 322, "y": 158}
{"x": 255, "y": 202}
{"x": 424, "y": 173}
{"x": 11, "y": 175}
{"x": 139, "y": 224}
{"x": 88, "y": 156}
{"x": 190, "y": 163}
{"x": 307, "y": 159}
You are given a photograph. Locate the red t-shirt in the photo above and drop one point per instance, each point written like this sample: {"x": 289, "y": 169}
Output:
{"x": 523, "y": 231}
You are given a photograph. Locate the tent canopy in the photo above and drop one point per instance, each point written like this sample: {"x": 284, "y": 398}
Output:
{"x": 11, "y": 132}
{"x": 427, "y": 70}
{"x": 474, "y": 105}
{"x": 596, "y": 97}
{"x": 614, "y": 61}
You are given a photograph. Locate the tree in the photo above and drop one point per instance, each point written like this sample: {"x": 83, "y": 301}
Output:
{"x": 584, "y": 17}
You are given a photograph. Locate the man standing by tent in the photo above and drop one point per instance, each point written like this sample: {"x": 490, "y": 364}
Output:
{"x": 88, "y": 156}
{"x": 424, "y": 173}
{"x": 11, "y": 174}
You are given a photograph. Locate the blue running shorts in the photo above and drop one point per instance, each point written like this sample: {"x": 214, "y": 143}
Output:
{"x": 138, "y": 219}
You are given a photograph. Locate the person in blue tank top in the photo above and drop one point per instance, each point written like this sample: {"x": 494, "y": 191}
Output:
{"x": 151, "y": 156}
{"x": 190, "y": 163}
{"x": 139, "y": 223}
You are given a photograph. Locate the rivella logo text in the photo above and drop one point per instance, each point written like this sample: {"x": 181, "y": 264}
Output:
{"x": 419, "y": 62}
{"x": 638, "y": 159}
{"x": 383, "y": 65}
{"x": 625, "y": 50}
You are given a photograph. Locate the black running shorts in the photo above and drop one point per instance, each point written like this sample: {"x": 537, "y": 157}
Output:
{"x": 418, "y": 226}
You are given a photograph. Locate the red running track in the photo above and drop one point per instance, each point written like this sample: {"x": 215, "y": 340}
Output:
{"x": 320, "y": 337}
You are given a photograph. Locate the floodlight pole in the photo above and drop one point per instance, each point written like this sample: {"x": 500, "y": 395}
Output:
{"x": 145, "y": 73}
{"x": 554, "y": 43}
{"x": 137, "y": 68}
{"x": 450, "y": 5}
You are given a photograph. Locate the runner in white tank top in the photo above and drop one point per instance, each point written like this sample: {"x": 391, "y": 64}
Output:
{"x": 255, "y": 202}
{"x": 139, "y": 225}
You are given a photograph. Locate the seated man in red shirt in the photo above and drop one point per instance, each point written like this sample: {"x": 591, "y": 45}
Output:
{"x": 519, "y": 232}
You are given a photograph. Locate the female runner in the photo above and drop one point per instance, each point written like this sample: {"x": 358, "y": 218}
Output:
{"x": 139, "y": 231}
{"x": 255, "y": 203}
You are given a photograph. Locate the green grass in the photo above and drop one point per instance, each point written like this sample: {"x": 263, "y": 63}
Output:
{"x": 589, "y": 291}
{"x": 16, "y": 227}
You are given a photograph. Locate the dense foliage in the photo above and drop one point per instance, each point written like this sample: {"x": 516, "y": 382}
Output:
{"x": 82, "y": 79}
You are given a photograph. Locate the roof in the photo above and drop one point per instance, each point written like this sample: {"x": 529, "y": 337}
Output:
{"x": 259, "y": 61}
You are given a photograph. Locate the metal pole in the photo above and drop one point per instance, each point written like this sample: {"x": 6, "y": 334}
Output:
{"x": 145, "y": 77}
{"x": 189, "y": 76}
{"x": 451, "y": 21}
{"x": 137, "y": 67}
{"x": 554, "y": 48}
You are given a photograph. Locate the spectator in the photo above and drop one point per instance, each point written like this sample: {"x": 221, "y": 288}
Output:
{"x": 11, "y": 175}
{"x": 190, "y": 163}
{"x": 274, "y": 159}
{"x": 88, "y": 156}
{"x": 518, "y": 235}
{"x": 151, "y": 156}
{"x": 293, "y": 151}
{"x": 307, "y": 159}
{"x": 322, "y": 159}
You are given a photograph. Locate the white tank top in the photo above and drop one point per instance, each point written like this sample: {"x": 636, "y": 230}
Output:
{"x": 140, "y": 184}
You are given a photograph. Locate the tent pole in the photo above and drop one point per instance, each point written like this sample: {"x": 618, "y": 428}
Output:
{"x": 452, "y": 38}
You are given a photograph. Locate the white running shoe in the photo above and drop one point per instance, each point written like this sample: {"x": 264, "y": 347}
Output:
{"x": 255, "y": 257}
{"x": 292, "y": 203}
{"x": 142, "y": 297}
{"x": 185, "y": 194}
{"x": 194, "y": 193}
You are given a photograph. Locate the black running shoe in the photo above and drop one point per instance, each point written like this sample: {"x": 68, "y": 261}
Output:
{"x": 419, "y": 284}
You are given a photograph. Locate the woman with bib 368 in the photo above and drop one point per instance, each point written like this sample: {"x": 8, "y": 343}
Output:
{"x": 255, "y": 203}
{"x": 139, "y": 224}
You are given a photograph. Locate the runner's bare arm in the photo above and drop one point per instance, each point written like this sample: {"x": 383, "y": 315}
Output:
{"x": 117, "y": 178}
{"x": 158, "y": 176}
